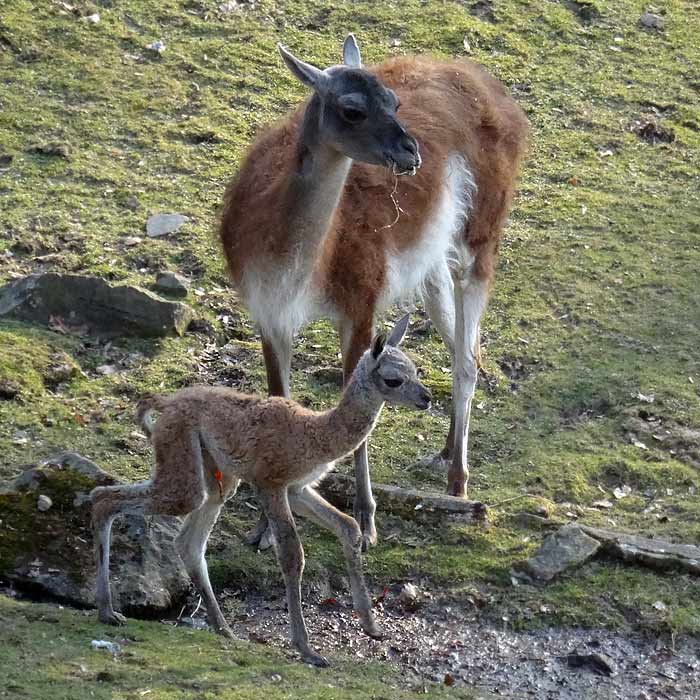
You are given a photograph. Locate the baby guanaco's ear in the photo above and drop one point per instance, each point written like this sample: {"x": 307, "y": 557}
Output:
{"x": 378, "y": 345}
{"x": 399, "y": 331}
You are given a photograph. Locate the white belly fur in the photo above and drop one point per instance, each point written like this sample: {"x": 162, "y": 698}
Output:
{"x": 407, "y": 270}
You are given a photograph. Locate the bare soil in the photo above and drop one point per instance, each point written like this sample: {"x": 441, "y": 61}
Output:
{"x": 442, "y": 642}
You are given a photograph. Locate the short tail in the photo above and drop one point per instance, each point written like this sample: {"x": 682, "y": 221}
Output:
{"x": 145, "y": 409}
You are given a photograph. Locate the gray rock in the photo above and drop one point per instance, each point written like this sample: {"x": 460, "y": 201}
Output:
{"x": 132, "y": 202}
{"x": 562, "y": 550}
{"x": 172, "y": 283}
{"x": 157, "y": 46}
{"x": 653, "y": 553}
{"x": 162, "y": 224}
{"x": 53, "y": 552}
{"x": 105, "y": 308}
{"x": 651, "y": 21}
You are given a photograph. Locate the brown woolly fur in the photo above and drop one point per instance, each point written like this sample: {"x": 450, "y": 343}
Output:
{"x": 319, "y": 223}
{"x": 449, "y": 107}
{"x": 209, "y": 439}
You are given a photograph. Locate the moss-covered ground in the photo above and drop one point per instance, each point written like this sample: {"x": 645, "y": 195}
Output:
{"x": 595, "y": 310}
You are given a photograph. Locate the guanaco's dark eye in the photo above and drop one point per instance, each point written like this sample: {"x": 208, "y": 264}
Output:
{"x": 353, "y": 115}
{"x": 393, "y": 383}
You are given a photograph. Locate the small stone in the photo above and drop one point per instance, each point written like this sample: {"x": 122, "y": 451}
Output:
{"x": 131, "y": 241}
{"x": 408, "y": 595}
{"x": 106, "y": 370}
{"x": 226, "y": 8}
{"x": 659, "y": 605}
{"x": 651, "y": 21}
{"x": 622, "y": 492}
{"x": 598, "y": 663}
{"x": 62, "y": 150}
{"x": 112, "y": 647}
{"x": 43, "y": 503}
{"x": 172, "y": 283}
{"x": 20, "y": 438}
{"x": 162, "y": 224}
{"x": 132, "y": 203}
{"x": 93, "y": 18}
{"x": 602, "y": 504}
{"x": 157, "y": 47}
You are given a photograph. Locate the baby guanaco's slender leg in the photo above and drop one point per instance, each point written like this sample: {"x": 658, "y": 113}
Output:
{"x": 290, "y": 555}
{"x": 311, "y": 504}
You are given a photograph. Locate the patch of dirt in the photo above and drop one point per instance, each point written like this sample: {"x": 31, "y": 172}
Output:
{"x": 680, "y": 441}
{"x": 441, "y": 639}
{"x": 584, "y": 10}
{"x": 649, "y": 128}
{"x": 482, "y": 9}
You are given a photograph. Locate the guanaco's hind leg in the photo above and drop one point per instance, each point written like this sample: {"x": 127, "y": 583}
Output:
{"x": 470, "y": 296}
{"x": 290, "y": 555}
{"x": 107, "y": 503}
{"x": 164, "y": 494}
{"x": 309, "y": 503}
{"x": 439, "y": 301}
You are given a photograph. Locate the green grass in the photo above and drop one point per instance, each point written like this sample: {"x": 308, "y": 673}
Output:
{"x": 47, "y": 654}
{"x": 596, "y": 296}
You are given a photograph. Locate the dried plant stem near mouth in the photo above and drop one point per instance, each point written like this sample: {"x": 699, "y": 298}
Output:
{"x": 399, "y": 210}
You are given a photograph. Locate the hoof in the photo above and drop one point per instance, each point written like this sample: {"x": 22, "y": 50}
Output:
{"x": 374, "y": 631}
{"x": 369, "y": 540}
{"x": 110, "y": 617}
{"x": 458, "y": 490}
{"x": 259, "y": 537}
{"x": 311, "y": 657}
{"x": 367, "y": 527}
{"x": 253, "y": 537}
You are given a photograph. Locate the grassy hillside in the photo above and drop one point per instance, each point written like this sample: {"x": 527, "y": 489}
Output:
{"x": 595, "y": 310}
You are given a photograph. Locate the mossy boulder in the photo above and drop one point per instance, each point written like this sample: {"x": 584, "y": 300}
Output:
{"x": 51, "y": 552}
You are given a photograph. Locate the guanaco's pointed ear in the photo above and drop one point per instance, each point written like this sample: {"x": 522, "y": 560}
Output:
{"x": 304, "y": 72}
{"x": 399, "y": 331}
{"x": 378, "y": 345}
{"x": 351, "y": 52}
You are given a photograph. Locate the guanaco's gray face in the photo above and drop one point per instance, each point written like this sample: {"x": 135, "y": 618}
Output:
{"x": 357, "y": 114}
{"x": 394, "y": 375}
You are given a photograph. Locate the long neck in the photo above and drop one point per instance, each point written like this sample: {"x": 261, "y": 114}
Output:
{"x": 344, "y": 428}
{"x": 313, "y": 188}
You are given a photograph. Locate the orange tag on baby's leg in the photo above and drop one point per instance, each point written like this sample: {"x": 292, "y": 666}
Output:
{"x": 219, "y": 476}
